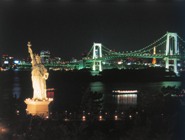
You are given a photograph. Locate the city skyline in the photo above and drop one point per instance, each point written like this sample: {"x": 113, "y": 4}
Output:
{"x": 67, "y": 28}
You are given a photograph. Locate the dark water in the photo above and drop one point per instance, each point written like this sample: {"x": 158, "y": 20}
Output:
{"x": 69, "y": 94}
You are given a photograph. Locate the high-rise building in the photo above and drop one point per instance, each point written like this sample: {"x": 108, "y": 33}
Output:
{"x": 45, "y": 57}
{"x": 4, "y": 59}
{"x": 7, "y": 61}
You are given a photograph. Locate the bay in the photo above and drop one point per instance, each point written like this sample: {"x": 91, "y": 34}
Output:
{"x": 68, "y": 95}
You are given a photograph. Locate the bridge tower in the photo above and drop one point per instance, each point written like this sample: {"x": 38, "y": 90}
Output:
{"x": 171, "y": 49}
{"x": 154, "y": 61}
{"x": 97, "y": 53}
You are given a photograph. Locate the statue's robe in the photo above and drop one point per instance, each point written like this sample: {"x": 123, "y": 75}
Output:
{"x": 39, "y": 82}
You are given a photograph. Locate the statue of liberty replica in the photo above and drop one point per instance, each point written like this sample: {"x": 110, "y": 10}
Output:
{"x": 39, "y": 76}
{"x": 38, "y": 105}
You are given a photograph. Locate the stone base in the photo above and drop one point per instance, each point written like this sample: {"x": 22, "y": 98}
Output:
{"x": 39, "y": 108}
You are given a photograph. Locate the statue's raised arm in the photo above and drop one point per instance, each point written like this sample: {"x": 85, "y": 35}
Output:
{"x": 31, "y": 53}
{"x": 30, "y": 50}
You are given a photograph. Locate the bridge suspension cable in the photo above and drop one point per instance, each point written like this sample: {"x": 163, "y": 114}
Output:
{"x": 105, "y": 49}
{"x": 90, "y": 51}
{"x": 152, "y": 44}
{"x": 156, "y": 46}
{"x": 181, "y": 39}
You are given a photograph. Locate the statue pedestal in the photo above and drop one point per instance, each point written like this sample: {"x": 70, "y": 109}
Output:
{"x": 39, "y": 108}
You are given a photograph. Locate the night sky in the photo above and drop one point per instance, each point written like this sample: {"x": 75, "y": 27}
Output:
{"x": 67, "y": 28}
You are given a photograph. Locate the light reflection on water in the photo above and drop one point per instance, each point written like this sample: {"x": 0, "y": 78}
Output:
{"x": 123, "y": 101}
{"x": 126, "y": 99}
{"x": 16, "y": 89}
{"x": 171, "y": 83}
{"x": 97, "y": 87}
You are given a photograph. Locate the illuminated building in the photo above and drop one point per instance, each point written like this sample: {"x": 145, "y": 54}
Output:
{"x": 7, "y": 61}
{"x": 55, "y": 60}
{"x": 45, "y": 57}
{"x": 4, "y": 59}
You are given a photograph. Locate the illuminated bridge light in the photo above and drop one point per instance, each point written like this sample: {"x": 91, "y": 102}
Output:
{"x": 116, "y": 117}
{"x": 66, "y": 119}
{"x": 83, "y": 118}
{"x": 17, "y": 112}
{"x": 100, "y": 118}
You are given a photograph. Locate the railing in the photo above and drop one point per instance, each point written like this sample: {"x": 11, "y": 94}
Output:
{"x": 146, "y": 55}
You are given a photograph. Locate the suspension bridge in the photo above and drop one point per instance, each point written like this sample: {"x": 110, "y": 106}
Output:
{"x": 169, "y": 48}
